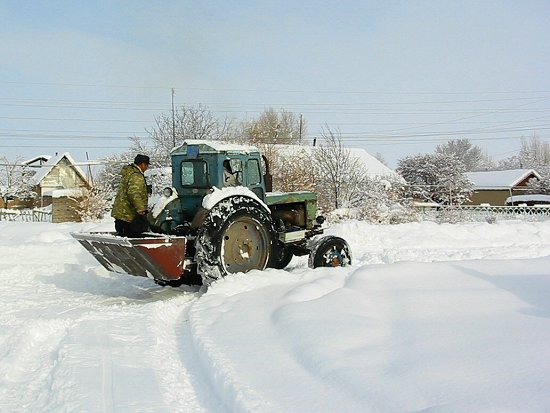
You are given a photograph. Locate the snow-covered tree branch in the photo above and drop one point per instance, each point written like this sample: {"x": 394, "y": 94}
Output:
{"x": 15, "y": 180}
{"x": 438, "y": 178}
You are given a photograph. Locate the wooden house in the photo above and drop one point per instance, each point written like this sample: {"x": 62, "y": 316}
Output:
{"x": 58, "y": 173}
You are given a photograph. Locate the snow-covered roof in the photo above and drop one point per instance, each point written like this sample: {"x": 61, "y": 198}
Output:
{"x": 529, "y": 198}
{"x": 74, "y": 192}
{"x": 48, "y": 166}
{"x": 500, "y": 179}
{"x": 375, "y": 168}
{"x": 217, "y": 146}
{"x": 43, "y": 158}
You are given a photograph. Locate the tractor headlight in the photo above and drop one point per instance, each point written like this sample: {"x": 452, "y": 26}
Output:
{"x": 167, "y": 192}
{"x": 320, "y": 219}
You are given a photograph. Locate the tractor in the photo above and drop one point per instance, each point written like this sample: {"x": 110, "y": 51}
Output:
{"x": 204, "y": 228}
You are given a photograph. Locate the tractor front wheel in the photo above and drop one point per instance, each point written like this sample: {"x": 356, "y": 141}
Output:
{"x": 330, "y": 251}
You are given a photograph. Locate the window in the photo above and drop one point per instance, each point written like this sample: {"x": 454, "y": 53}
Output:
{"x": 254, "y": 177}
{"x": 233, "y": 172}
{"x": 194, "y": 173}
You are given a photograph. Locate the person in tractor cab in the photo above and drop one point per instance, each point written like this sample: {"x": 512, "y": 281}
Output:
{"x": 229, "y": 177}
{"x": 130, "y": 206}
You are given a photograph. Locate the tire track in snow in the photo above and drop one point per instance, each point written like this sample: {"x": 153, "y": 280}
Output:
{"x": 75, "y": 338}
{"x": 28, "y": 355}
{"x": 187, "y": 387}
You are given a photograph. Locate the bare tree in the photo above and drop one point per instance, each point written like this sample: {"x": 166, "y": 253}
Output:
{"x": 511, "y": 162}
{"x": 15, "y": 180}
{"x": 293, "y": 170}
{"x": 109, "y": 177}
{"x": 534, "y": 153}
{"x": 185, "y": 123}
{"x": 275, "y": 128}
{"x": 268, "y": 132}
{"x": 340, "y": 176}
{"x": 92, "y": 204}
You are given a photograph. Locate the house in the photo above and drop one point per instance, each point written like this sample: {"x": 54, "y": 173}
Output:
{"x": 495, "y": 187}
{"x": 58, "y": 173}
{"x": 18, "y": 175}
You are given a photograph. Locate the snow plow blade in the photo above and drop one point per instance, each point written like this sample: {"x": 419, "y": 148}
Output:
{"x": 158, "y": 257}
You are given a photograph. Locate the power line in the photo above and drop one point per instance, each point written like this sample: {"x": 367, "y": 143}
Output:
{"x": 74, "y": 119}
{"x": 448, "y": 133}
{"x": 277, "y": 104}
{"x": 65, "y": 146}
{"x": 255, "y": 90}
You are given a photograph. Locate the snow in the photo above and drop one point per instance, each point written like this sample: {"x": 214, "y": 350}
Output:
{"x": 430, "y": 317}
{"x": 375, "y": 168}
{"x": 39, "y": 159}
{"x": 529, "y": 198}
{"x": 74, "y": 192}
{"x": 500, "y": 179}
{"x": 219, "y": 146}
{"x": 218, "y": 195}
{"x": 164, "y": 171}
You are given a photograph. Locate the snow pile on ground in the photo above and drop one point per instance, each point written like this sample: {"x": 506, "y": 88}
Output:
{"x": 438, "y": 318}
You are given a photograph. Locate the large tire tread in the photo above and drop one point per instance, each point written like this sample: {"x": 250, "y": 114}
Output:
{"x": 236, "y": 210}
{"x": 329, "y": 251}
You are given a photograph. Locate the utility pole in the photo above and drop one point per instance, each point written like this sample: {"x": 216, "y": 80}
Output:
{"x": 90, "y": 176}
{"x": 301, "y": 128}
{"x": 173, "y": 121}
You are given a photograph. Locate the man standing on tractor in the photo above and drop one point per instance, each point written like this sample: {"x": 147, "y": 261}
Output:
{"x": 130, "y": 206}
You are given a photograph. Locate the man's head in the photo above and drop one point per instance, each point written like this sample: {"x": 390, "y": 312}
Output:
{"x": 142, "y": 161}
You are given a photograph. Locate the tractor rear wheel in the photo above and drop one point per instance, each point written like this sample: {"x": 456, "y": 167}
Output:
{"x": 238, "y": 235}
{"x": 330, "y": 251}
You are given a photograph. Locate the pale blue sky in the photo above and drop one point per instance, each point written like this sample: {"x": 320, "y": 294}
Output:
{"x": 395, "y": 77}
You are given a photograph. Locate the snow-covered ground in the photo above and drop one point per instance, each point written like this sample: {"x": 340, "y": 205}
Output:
{"x": 430, "y": 318}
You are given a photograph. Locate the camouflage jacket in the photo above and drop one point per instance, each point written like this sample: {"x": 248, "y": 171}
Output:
{"x": 132, "y": 194}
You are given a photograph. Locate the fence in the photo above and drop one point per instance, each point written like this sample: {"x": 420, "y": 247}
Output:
{"x": 25, "y": 215}
{"x": 474, "y": 213}
{"x": 478, "y": 213}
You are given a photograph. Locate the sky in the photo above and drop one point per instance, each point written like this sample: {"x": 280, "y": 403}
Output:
{"x": 392, "y": 77}
{"x": 430, "y": 317}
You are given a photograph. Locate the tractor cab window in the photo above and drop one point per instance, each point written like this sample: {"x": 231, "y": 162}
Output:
{"x": 254, "y": 177}
{"x": 232, "y": 172}
{"x": 194, "y": 173}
